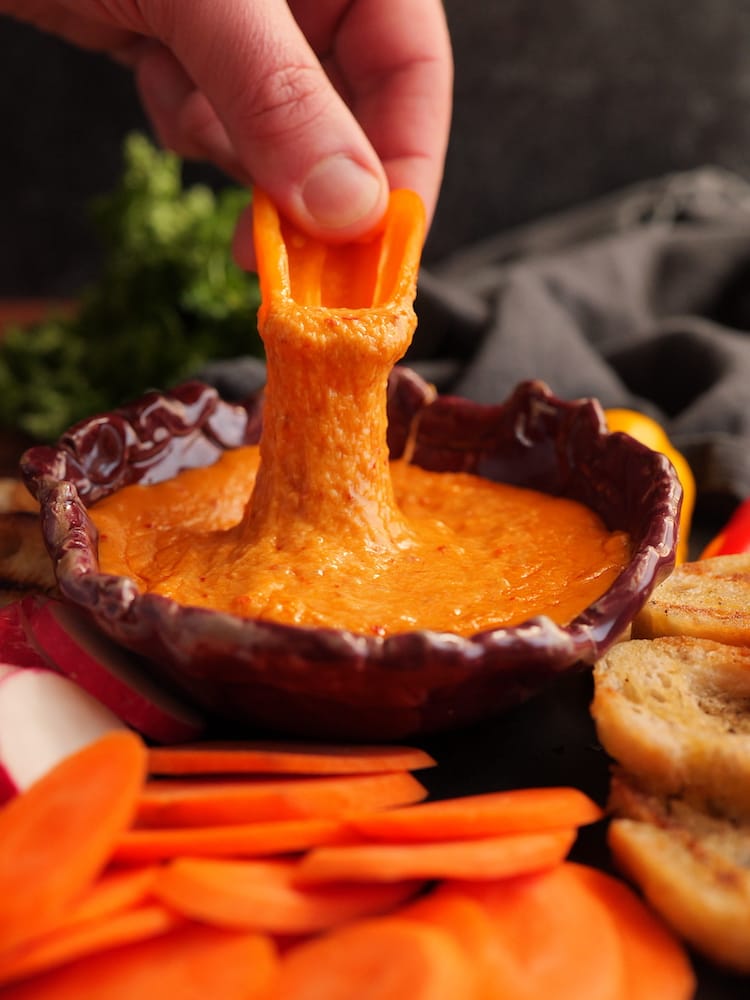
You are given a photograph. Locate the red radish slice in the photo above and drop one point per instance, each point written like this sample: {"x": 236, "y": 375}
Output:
{"x": 7, "y": 787}
{"x": 112, "y": 674}
{"x": 15, "y": 648}
{"x": 44, "y": 717}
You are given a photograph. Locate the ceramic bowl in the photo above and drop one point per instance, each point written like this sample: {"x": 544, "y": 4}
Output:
{"x": 330, "y": 683}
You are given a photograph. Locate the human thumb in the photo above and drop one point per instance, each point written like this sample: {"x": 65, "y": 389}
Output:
{"x": 291, "y": 132}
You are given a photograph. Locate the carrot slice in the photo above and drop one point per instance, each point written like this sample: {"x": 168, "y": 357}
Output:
{"x": 483, "y": 858}
{"x": 522, "y": 810}
{"x": 58, "y": 835}
{"x": 284, "y": 758}
{"x": 189, "y": 963}
{"x": 241, "y": 840}
{"x": 562, "y": 936}
{"x": 657, "y": 966}
{"x": 497, "y": 972}
{"x": 213, "y": 802}
{"x": 262, "y": 895}
{"x": 112, "y": 891}
{"x": 82, "y": 939}
{"x": 385, "y": 958}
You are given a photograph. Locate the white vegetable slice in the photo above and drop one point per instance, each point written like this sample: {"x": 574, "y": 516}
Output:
{"x": 44, "y": 717}
{"x": 112, "y": 674}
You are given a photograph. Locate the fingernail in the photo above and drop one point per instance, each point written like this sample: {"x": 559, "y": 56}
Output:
{"x": 339, "y": 192}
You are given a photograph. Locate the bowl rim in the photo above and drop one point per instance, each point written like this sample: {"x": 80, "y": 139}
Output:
{"x": 100, "y": 454}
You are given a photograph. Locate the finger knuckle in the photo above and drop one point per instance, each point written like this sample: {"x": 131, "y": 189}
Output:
{"x": 285, "y": 100}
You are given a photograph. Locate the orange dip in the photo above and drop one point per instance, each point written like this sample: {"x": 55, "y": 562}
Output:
{"x": 316, "y": 526}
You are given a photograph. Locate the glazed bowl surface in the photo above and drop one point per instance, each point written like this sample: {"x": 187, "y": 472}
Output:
{"x": 329, "y": 683}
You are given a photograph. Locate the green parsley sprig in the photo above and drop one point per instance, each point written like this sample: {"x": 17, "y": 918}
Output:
{"x": 168, "y": 299}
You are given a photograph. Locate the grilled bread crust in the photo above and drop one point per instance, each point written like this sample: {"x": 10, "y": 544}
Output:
{"x": 692, "y": 867}
{"x": 674, "y": 712}
{"x": 709, "y": 598}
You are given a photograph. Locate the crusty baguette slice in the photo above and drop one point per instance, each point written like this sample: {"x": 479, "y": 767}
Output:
{"x": 675, "y": 713}
{"x": 14, "y": 496}
{"x": 25, "y": 566}
{"x": 694, "y": 869}
{"x": 709, "y": 598}
{"x": 25, "y": 563}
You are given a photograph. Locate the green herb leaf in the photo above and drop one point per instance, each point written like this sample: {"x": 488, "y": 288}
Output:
{"x": 169, "y": 299}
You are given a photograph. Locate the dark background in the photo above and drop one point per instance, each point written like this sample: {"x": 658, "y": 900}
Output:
{"x": 556, "y": 101}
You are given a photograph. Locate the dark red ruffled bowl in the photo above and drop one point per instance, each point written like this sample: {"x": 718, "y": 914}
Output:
{"x": 331, "y": 683}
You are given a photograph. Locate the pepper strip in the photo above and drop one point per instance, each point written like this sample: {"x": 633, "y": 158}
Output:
{"x": 734, "y": 537}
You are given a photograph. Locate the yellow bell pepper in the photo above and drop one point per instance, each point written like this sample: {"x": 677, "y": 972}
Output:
{"x": 653, "y": 435}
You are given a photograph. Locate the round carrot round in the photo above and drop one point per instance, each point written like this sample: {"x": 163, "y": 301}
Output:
{"x": 58, "y": 835}
{"x": 386, "y": 958}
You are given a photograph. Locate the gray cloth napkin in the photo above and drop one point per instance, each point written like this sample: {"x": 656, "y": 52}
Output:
{"x": 641, "y": 300}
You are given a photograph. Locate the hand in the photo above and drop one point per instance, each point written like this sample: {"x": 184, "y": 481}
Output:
{"x": 323, "y": 103}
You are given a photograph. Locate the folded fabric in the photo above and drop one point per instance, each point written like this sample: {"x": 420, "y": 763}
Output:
{"x": 641, "y": 300}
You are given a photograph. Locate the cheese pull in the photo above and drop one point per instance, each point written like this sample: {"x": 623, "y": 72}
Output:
{"x": 334, "y": 320}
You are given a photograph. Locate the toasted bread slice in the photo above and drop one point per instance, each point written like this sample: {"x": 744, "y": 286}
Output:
{"x": 709, "y": 598}
{"x": 693, "y": 868}
{"x": 14, "y": 496}
{"x": 25, "y": 563}
{"x": 675, "y": 713}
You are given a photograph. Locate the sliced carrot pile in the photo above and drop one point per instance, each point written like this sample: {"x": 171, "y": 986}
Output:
{"x": 59, "y": 834}
{"x": 284, "y": 758}
{"x": 213, "y": 802}
{"x": 522, "y": 810}
{"x": 275, "y": 883}
{"x": 258, "y": 895}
